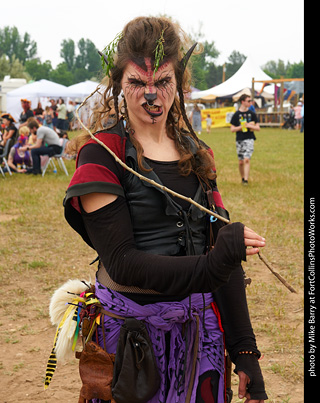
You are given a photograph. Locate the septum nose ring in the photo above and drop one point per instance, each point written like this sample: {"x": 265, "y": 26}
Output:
{"x": 150, "y": 98}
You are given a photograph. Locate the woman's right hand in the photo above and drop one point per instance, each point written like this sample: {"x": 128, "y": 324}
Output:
{"x": 253, "y": 240}
{"x": 234, "y": 242}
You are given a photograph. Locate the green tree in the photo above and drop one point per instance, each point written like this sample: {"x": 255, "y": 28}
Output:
{"x": 4, "y": 67}
{"x": 14, "y": 68}
{"x": 203, "y": 67}
{"x": 214, "y": 75}
{"x": 62, "y": 75}
{"x": 235, "y": 61}
{"x": 296, "y": 70}
{"x": 80, "y": 74}
{"x": 88, "y": 57}
{"x": 275, "y": 69}
{"x": 38, "y": 70}
{"x": 11, "y": 44}
{"x": 17, "y": 69}
{"x": 85, "y": 64}
{"x": 67, "y": 53}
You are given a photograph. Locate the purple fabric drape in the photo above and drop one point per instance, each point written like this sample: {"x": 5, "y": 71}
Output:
{"x": 174, "y": 365}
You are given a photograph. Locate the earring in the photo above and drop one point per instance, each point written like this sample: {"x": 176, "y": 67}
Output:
{"x": 123, "y": 111}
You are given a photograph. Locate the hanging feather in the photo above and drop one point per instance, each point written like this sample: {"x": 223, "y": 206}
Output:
{"x": 76, "y": 333}
{"x": 64, "y": 342}
{"x": 64, "y": 312}
{"x": 52, "y": 362}
{"x": 64, "y": 295}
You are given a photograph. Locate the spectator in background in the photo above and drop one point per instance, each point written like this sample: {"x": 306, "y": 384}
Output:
{"x": 10, "y": 130}
{"x": 26, "y": 113}
{"x": 38, "y": 113}
{"x": 19, "y": 160}
{"x": 48, "y": 116}
{"x": 55, "y": 115}
{"x": 32, "y": 138}
{"x": 302, "y": 118}
{"x": 297, "y": 114}
{"x": 195, "y": 119}
{"x": 243, "y": 123}
{"x": 208, "y": 122}
{"x": 47, "y": 143}
{"x": 251, "y": 107}
{"x": 62, "y": 123}
{"x": 70, "y": 115}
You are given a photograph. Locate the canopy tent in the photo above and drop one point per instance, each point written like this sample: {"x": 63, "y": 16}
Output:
{"x": 38, "y": 91}
{"x": 83, "y": 89}
{"x": 241, "y": 80}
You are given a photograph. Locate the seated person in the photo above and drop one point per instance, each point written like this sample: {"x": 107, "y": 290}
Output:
{"x": 48, "y": 116}
{"x": 48, "y": 143}
{"x": 19, "y": 160}
{"x": 32, "y": 139}
{"x": 38, "y": 113}
{"x": 10, "y": 130}
{"x": 26, "y": 113}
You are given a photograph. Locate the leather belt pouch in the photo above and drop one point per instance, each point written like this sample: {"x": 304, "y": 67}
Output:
{"x": 136, "y": 377}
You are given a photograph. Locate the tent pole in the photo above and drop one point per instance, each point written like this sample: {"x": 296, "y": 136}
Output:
{"x": 281, "y": 101}
{"x": 252, "y": 90}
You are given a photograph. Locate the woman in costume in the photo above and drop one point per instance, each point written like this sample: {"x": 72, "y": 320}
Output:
{"x": 18, "y": 160}
{"x": 156, "y": 261}
{"x": 10, "y": 130}
{"x": 26, "y": 113}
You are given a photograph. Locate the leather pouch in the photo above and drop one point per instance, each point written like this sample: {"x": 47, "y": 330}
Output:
{"x": 136, "y": 377}
{"x": 96, "y": 371}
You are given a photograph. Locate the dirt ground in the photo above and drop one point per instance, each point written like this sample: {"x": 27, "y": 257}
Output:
{"x": 26, "y": 333}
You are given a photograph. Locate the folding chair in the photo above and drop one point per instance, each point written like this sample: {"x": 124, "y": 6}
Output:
{"x": 3, "y": 156}
{"x": 59, "y": 158}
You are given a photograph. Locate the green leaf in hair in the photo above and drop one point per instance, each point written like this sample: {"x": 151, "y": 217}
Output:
{"x": 107, "y": 56}
{"x": 158, "y": 52}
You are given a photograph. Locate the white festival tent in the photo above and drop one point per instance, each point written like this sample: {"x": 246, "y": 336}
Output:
{"x": 240, "y": 81}
{"x": 38, "y": 91}
{"x": 83, "y": 89}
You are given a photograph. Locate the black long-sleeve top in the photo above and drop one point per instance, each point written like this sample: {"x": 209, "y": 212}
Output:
{"x": 110, "y": 232}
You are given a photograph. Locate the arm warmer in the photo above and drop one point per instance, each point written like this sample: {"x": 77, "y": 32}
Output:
{"x": 109, "y": 229}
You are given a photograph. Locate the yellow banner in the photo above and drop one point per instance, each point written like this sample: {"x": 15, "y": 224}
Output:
{"x": 220, "y": 117}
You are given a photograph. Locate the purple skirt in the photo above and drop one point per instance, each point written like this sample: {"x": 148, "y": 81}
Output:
{"x": 174, "y": 359}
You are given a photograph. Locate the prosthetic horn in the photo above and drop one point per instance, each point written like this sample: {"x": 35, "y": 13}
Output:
{"x": 104, "y": 57}
{"x": 186, "y": 57}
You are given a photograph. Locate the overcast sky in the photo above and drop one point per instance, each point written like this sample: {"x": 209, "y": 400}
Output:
{"x": 267, "y": 30}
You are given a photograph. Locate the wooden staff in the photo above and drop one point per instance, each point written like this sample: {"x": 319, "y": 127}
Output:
{"x": 164, "y": 188}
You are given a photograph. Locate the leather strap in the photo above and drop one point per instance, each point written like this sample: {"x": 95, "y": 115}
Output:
{"x": 104, "y": 278}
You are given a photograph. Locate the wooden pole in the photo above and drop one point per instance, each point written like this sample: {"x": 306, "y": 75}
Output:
{"x": 281, "y": 101}
{"x": 252, "y": 90}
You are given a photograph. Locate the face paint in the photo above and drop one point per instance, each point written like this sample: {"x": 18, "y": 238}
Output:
{"x": 153, "y": 93}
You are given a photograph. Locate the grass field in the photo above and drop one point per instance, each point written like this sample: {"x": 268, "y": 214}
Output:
{"x": 39, "y": 252}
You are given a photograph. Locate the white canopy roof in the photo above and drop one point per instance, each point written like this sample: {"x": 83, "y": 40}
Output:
{"x": 38, "y": 91}
{"x": 83, "y": 89}
{"x": 240, "y": 80}
{"x": 41, "y": 88}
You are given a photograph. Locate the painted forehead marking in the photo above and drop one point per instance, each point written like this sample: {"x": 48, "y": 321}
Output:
{"x": 148, "y": 73}
{"x": 147, "y": 62}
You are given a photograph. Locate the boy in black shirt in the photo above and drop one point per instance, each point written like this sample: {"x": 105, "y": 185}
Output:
{"x": 243, "y": 122}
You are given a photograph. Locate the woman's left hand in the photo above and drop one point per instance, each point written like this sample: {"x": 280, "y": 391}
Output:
{"x": 251, "y": 383}
{"x": 254, "y": 240}
{"x": 242, "y": 390}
